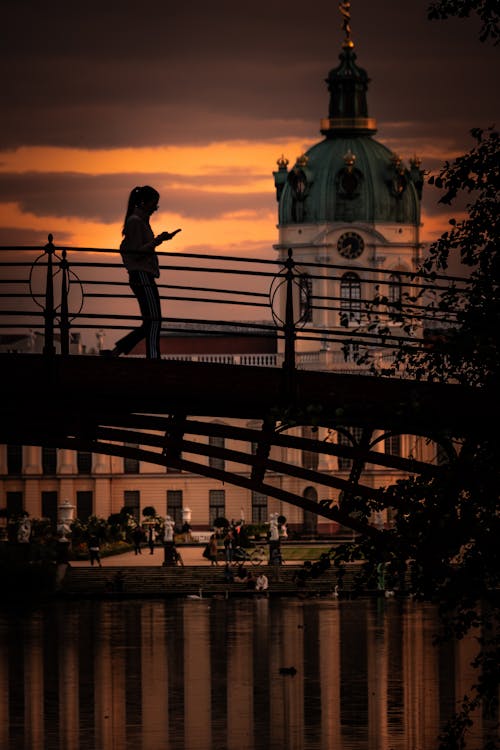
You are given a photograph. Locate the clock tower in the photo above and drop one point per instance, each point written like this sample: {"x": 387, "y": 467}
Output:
{"x": 349, "y": 209}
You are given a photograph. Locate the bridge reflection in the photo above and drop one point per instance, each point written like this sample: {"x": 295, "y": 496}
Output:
{"x": 206, "y": 674}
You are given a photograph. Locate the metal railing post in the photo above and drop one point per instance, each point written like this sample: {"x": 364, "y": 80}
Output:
{"x": 49, "y": 311}
{"x": 289, "y": 325}
{"x": 64, "y": 323}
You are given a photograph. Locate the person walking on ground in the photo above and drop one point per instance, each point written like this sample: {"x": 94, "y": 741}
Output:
{"x": 151, "y": 540}
{"x": 137, "y": 539}
{"x": 212, "y": 550}
{"x": 228, "y": 546}
{"x": 138, "y": 251}
{"x": 94, "y": 551}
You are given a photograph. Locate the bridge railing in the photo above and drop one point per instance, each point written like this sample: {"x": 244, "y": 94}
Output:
{"x": 55, "y": 295}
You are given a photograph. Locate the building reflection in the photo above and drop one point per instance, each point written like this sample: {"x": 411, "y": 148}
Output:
{"x": 194, "y": 675}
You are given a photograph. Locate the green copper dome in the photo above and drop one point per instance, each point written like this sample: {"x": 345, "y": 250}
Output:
{"x": 349, "y": 176}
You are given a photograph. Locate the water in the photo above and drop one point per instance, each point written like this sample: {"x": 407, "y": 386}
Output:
{"x": 207, "y": 675}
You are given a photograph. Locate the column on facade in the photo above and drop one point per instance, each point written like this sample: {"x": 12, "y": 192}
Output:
{"x": 102, "y": 464}
{"x": 103, "y": 498}
{"x": 197, "y": 677}
{"x": 66, "y": 461}
{"x": 32, "y": 498}
{"x": 32, "y": 459}
{"x": 325, "y": 461}
{"x": 155, "y": 678}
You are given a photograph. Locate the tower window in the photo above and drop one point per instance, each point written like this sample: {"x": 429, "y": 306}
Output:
{"x": 306, "y": 313}
{"x": 350, "y": 299}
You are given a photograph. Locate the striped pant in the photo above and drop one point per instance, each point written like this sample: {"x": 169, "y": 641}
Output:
{"x": 144, "y": 287}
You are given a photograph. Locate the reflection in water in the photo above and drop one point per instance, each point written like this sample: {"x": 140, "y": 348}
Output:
{"x": 196, "y": 675}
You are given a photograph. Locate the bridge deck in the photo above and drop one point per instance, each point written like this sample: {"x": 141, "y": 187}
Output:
{"x": 60, "y": 394}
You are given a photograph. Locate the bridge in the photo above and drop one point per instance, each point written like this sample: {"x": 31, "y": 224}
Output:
{"x": 90, "y": 403}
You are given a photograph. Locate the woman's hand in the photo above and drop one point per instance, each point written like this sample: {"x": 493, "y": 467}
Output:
{"x": 164, "y": 236}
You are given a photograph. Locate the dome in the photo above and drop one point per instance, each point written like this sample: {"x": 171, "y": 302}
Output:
{"x": 350, "y": 179}
{"x": 349, "y": 176}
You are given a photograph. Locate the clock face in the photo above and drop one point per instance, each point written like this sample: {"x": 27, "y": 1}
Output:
{"x": 350, "y": 245}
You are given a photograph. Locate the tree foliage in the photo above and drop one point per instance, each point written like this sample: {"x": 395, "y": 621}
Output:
{"x": 444, "y": 541}
{"x": 488, "y": 12}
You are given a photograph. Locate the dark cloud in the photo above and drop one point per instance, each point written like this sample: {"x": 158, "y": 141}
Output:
{"x": 13, "y": 236}
{"x": 104, "y": 197}
{"x": 115, "y": 74}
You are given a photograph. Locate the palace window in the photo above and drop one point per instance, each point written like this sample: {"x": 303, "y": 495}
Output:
{"x": 14, "y": 504}
{"x": 49, "y": 460}
{"x": 217, "y": 505}
{"x": 345, "y": 464}
{"x": 132, "y": 502}
{"x": 84, "y": 462}
{"x": 259, "y": 507}
{"x": 84, "y": 504}
{"x": 392, "y": 445}
{"x": 174, "y": 506}
{"x": 49, "y": 506}
{"x": 14, "y": 459}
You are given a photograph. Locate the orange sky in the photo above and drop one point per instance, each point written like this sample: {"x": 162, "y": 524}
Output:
{"x": 232, "y": 230}
{"x": 201, "y": 100}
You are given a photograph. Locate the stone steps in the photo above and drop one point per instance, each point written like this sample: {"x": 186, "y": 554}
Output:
{"x": 149, "y": 581}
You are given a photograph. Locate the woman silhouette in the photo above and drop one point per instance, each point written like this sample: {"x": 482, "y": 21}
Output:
{"x": 138, "y": 251}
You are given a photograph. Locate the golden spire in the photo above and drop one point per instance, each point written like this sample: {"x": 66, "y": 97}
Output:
{"x": 345, "y": 12}
{"x": 282, "y": 162}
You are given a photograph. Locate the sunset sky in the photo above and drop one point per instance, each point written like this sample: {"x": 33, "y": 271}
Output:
{"x": 200, "y": 99}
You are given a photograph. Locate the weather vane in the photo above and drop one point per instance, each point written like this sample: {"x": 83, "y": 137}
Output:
{"x": 345, "y": 11}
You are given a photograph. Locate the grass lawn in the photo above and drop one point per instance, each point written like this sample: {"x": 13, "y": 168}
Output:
{"x": 301, "y": 553}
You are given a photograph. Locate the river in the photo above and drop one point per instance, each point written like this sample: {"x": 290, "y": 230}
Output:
{"x": 210, "y": 674}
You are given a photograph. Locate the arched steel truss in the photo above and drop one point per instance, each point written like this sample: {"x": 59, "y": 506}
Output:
{"x": 103, "y": 406}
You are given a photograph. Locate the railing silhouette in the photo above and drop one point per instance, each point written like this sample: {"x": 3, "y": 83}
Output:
{"x": 75, "y": 289}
